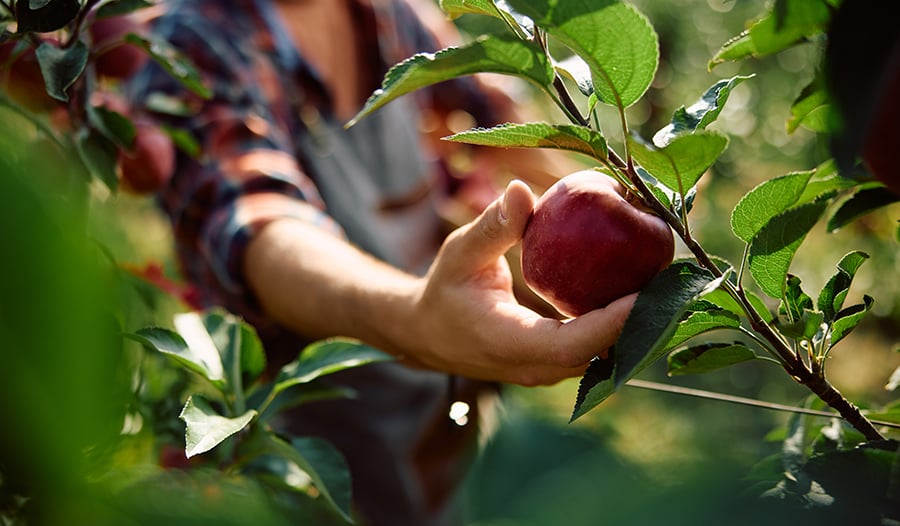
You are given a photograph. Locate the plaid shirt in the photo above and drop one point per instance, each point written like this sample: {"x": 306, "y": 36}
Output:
{"x": 250, "y": 170}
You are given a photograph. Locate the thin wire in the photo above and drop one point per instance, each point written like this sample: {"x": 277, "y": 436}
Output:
{"x": 710, "y": 395}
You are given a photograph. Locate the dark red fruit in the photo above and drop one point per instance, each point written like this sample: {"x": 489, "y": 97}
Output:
{"x": 116, "y": 58}
{"x": 586, "y": 245}
{"x": 151, "y": 162}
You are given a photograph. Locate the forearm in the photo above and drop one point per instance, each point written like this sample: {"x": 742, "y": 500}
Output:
{"x": 319, "y": 285}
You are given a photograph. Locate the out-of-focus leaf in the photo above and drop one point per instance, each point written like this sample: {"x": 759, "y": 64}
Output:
{"x": 206, "y": 428}
{"x": 121, "y": 7}
{"x": 772, "y": 248}
{"x": 683, "y": 161}
{"x": 786, "y": 23}
{"x": 327, "y": 357}
{"x": 831, "y": 298}
{"x": 168, "y": 342}
{"x": 700, "y": 114}
{"x": 99, "y": 155}
{"x": 490, "y": 54}
{"x": 61, "y": 67}
{"x": 173, "y": 61}
{"x": 615, "y": 39}
{"x": 571, "y": 138}
{"x": 866, "y": 200}
{"x": 323, "y": 463}
{"x": 811, "y": 109}
{"x": 113, "y": 125}
{"x": 707, "y": 357}
{"x": 765, "y": 201}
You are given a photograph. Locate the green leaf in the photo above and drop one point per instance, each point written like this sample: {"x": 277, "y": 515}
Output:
{"x": 795, "y": 301}
{"x": 597, "y": 384}
{"x": 121, "y": 7}
{"x": 538, "y": 135}
{"x": 575, "y": 68}
{"x": 787, "y": 23}
{"x": 238, "y": 345}
{"x": 811, "y": 109}
{"x": 765, "y": 201}
{"x": 832, "y": 296}
{"x": 206, "y": 428}
{"x": 736, "y": 48}
{"x": 681, "y": 163}
{"x": 99, "y": 155}
{"x": 168, "y": 342}
{"x": 707, "y": 357}
{"x": 655, "y": 315}
{"x": 45, "y": 16}
{"x": 173, "y": 61}
{"x": 702, "y": 322}
{"x": 725, "y": 301}
{"x": 614, "y": 38}
{"x": 454, "y": 8}
{"x": 700, "y": 114}
{"x": 826, "y": 180}
{"x": 326, "y": 357}
{"x": 323, "y": 463}
{"x": 866, "y": 200}
{"x": 113, "y": 125}
{"x": 489, "y": 54}
{"x": 650, "y": 325}
{"x": 61, "y": 67}
{"x": 774, "y": 246}
{"x": 847, "y": 319}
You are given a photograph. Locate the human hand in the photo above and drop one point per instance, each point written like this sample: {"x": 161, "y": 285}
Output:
{"x": 467, "y": 320}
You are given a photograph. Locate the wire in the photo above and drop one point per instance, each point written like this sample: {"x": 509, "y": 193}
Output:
{"x": 710, "y": 395}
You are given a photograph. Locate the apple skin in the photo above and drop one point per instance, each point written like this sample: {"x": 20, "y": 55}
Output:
{"x": 150, "y": 163}
{"x": 585, "y": 245}
{"x": 117, "y": 59}
{"x": 880, "y": 146}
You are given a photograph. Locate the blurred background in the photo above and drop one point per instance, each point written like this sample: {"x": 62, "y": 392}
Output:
{"x": 642, "y": 457}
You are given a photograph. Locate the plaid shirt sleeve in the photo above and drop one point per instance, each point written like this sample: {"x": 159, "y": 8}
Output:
{"x": 246, "y": 174}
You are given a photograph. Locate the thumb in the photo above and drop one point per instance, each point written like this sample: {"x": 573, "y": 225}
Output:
{"x": 499, "y": 227}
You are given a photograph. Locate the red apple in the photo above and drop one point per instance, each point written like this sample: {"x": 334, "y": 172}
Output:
{"x": 21, "y": 78}
{"x": 880, "y": 145}
{"x": 116, "y": 58}
{"x": 150, "y": 163}
{"x": 585, "y": 245}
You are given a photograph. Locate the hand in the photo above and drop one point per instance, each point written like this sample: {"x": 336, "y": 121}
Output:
{"x": 468, "y": 322}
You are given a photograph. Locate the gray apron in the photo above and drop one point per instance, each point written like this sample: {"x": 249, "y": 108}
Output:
{"x": 406, "y": 455}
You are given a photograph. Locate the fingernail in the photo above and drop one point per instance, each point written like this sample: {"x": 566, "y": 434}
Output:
{"x": 503, "y": 205}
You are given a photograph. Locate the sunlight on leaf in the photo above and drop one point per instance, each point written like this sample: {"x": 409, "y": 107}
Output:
{"x": 491, "y": 54}
{"x": 700, "y": 114}
{"x": 538, "y": 135}
{"x": 774, "y": 246}
{"x": 206, "y": 428}
{"x": 765, "y": 201}
{"x": 614, "y": 38}
{"x": 683, "y": 161}
{"x": 327, "y": 357}
{"x": 707, "y": 357}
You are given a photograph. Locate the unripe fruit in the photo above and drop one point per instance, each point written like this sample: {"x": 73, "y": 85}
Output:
{"x": 585, "y": 245}
{"x": 116, "y": 59}
{"x": 151, "y": 162}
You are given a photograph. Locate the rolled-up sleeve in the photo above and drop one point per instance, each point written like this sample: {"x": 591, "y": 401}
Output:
{"x": 246, "y": 173}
